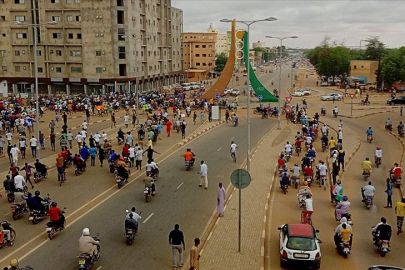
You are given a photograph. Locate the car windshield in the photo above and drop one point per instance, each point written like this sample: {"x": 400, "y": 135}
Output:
{"x": 301, "y": 243}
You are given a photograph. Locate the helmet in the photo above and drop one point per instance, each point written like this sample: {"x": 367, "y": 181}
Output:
{"x": 378, "y": 147}
{"x": 338, "y": 182}
{"x": 320, "y": 161}
{"x": 367, "y": 158}
{"x": 285, "y": 169}
{"x": 305, "y": 183}
{"x": 37, "y": 193}
{"x": 296, "y": 164}
{"x": 345, "y": 198}
{"x": 54, "y": 204}
{"x": 14, "y": 262}
{"x": 86, "y": 232}
{"x": 59, "y": 154}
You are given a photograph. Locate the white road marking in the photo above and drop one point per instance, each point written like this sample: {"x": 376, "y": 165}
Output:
{"x": 180, "y": 185}
{"x": 99, "y": 268}
{"x": 219, "y": 148}
{"x": 232, "y": 138}
{"x": 148, "y": 218}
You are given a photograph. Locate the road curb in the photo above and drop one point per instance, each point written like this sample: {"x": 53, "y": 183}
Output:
{"x": 401, "y": 190}
{"x": 360, "y": 116}
{"x": 199, "y": 133}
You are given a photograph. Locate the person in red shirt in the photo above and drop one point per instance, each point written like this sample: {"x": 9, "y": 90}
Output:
{"x": 308, "y": 171}
{"x": 298, "y": 143}
{"x": 168, "y": 127}
{"x": 56, "y": 216}
{"x": 281, "y": 162}
{"x": 397, "y": 171}
{"x": 125, "y": 150}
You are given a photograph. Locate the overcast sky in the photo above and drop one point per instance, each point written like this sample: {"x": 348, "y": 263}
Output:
{"x": 347, "y": 21}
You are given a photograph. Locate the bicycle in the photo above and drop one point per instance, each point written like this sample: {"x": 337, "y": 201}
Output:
{"x": 308, "y": 218}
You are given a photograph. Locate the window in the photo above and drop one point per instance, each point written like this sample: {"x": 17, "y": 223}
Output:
{"x": 54, "y": 1}
{"x": 98, "y": 53}
{"x": 75, "y": 53}
{"x": 120, "y": 16}
{"x": 197, "y": 64}
{"x": 57, "y": 35}
{"x": 121, "y": 32}
{"x": 204, "y": 55}
{"x": 122, "y": 69}
{"x": 79, "y": 36}
{"x": 4, "y": 68}
{"x": 58, "y": 70}
{"x": 20, "y": 18}
{"x": 69, "y": 18}
{"x": 17, "y": 53}
{"x": 121, "y": 52}
{"x": 17, "y": 68}
{"x": 70, "y": 35}
{"x": 40, "y": 70}
{"x": 68, "y": 1}
{"x": 77, "y": 1}
{"x": 197, "y": 55}
{"x": 204, "y": 46}
{"x": 78, "y": 18}
{"x": 56, "y": 18}
{"x": 99, "y": 70}
{"x": 197, "y": 46}
{"x": 21, "y": 35}
{"x": 76, "y": 69}
{"x": 3, "y": 52}
{"x": 19, "y": 1}
{"x": 39, "y": 52}
{"x": 354, "y": 67}
{"x": 120, "y": 3}
{"x": 3, "y": 18}
{"x": 58, "y": 52}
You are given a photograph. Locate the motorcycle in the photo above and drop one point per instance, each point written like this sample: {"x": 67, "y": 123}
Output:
{"x": 309, "y": 179}
{"x": 365, "y": 102}
{"x": 383, "y": 247}
{"x": 52, "y": 229}
{"x": 189, "y": 164}
{"x": 335, "y": 114}
{"x": 368, "y": 200}
{"x": 38, "y": 176}
{"x": 18, "y": 210}
{"x": 3, "y": 242}
{"x": 366, "y": 175}
{"x": 396, "y": 180}
{"x": 344, "y": 248}
{"x": 120, "y": 140}
{"x": 265, "y": 115}
{"x": 345, "y": 215}
{"x": 295, "y": 181}
{"x": 121, "y": 181}
{"x": 235, "y": 122}
{"x": 298, "y": 150}
{"x": 10, "y": 196}
{"x": 79, "y": 171}
{"x": 85, "y": 260}
{"x": 324, "y": 146}
{"x": 388, "y": 127}
{"x": 401, "y": 132}
{"x": 37, "y": 215}
{"x": 284, "y": 188}
{"x": 287, "y": 156}
{"x": 323, "y": 112}
{"x": 369, "y": 138}
{"x": 148, "y": 192}
{"x": 378, "y": 161}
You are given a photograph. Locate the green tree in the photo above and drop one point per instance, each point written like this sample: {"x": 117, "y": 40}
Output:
{"x": 375, "y": 49}
{"x": 393, "y": 66}
{"x": 220, "y": 62}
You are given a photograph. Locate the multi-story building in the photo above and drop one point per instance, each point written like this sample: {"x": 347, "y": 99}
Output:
{"x": 199, "y": 52}
{"x": 222, "y": 41}
{"x": 259, "y": 45}
{"x": 94, "y": 46}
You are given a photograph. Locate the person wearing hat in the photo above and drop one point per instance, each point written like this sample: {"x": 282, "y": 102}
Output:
{"x": 88, "y": 245}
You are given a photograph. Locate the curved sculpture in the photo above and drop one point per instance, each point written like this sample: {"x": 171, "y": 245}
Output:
{"x": 219, "y": 86}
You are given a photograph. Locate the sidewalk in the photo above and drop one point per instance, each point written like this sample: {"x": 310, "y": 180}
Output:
{"x": 220, "y": 251}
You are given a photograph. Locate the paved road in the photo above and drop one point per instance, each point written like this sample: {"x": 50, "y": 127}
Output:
{"x": 179, "y": 200}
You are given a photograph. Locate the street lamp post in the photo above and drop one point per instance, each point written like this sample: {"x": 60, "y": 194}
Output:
{"x": 136, "y": 82}
{"x": 34, "y": 26}
{"x": 279, "y": 78}
{"x": 248, "y": 24}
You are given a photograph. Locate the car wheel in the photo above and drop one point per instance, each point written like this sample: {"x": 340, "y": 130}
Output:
{"x": 317, "y": 266}
{"x": 339, "y": 98}
{"x": 327, "y": 99}
{"x": 283, "y": 264}
{"x": 392, "y": 103}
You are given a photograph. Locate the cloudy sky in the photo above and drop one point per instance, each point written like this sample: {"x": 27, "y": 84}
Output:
{"x": 343, "y": 21}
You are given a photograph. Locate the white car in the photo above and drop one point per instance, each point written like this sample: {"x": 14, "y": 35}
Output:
{"x": 299, "y": 244}
{"x": 227, "y": 91}
{"x": 306, "y": 91}
{"x": 298, "y": 93}
{"x": 331, "y": 96}
{"x": 235, "y": 92}
{"x": 324, "y": 83}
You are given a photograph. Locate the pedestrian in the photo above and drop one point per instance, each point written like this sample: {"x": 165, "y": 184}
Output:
{"x": 203, "y": 175}
{"x": 14, "y": 154}
{"x": 42, "y": 140}
{"x": 27, "y": 168}
{"x": 183, "y": 129}
{"x": 317, "y": 83}
{"x": 52, "y": 138}
{"x": 150, "y": 152}
{"x": 201, "y": 117}
{"x": 389, "y": 194}
{"x": 101, "y": 155}
{"x": 57, "y": 118}
{"x": 52, "y": 126}
{"x": 126, "y": 120}
{"x": 93, "y": 154}
{"x": 335, "y": 172}
{"x": 341, "y": 158}
{"x": 209, "y": 115}
{"x": 401, "y": 108}
{"x": 33, "y": 144}
{"x": 195, "y": 256}
{"x": 176, "y": 241}
{"x": 84, "y": 125}
{"x": 133, "y": 119}
{"x": 64, "y": 117}
{"x": 84, "y": 135}
{"x": 88, "y": 116}
{"x": 168, "y": 127}
{"x": 22, "y": 147}
{"x": 138, "y": 157}
{"x": 131, "y": 156}
{"x": 159, "y": 129}
{"x": 1, "y": 144}
{"x": 340, "y": 136}
{"x": 400, "y": 211}
{"x": 194, "y": 117}
{"x": 70, "y": 138}
{"x": 9, "y": 136}
{"x": 113, "y": 120}
{"x": 221, "y": 200}
{"x": 79, "y": 139}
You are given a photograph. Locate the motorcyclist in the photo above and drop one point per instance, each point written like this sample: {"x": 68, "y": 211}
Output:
{"x": 366, "y": 166}
{"x": 88, "y": 245}
{"x": 150, "y": 183}
{"x": 325, "y": 129}
{"x": 338, "y": 229}
{"x": 311, "y": 152}
{"x": 298, "y": 136}
{"x": 60, "y": 164}
{"x": 296, "y": 170}
{"x": 335, "y": 110}
{"x": 122, "y": 172}
{"x": 304, "y": 192}
{"x": 121, "y": 134}
{"x": 323, "y": 109}
{"x": 134, "y": 214}
{"x": 79, "y": 162}
{"x": 400, "y": 127}
{"x": 388, "y": 124}
{"x": 189, "y": 156}
{"x": 141, "y": 132}
{"x": 308, "y": 141}
{"x": 342, "y": 208}
{"x": 55, "y": 216}
{"x": 378, "y": 153}
{"x": 305, "y": 161}
{"x": 369, "y": 132}
{"x": 337, "y": 191}
{"x": 346, "y": 234}
{"x": 19, "y": 182}
{"x": 308, "y": 208}
{"x": 324, "y": 139}
{"x": 382, "y": 231}
{"x": 9, "y": 184}
{"x": 368, "y": 191}
{"x": 308, "y": 171}
{"x": 288, "y": 148}
{"x": 396, "y": 171}
{"x": 285, "y": 178}
{"x": 298, "y": 143}
{"x": 15, "y": 265}
{"x": 39, "y": 201}
{"x": 19, "y": 198}
{"x": 131, "y": 223}
{"x": 41, "y": 168}
{"x": 281, "y": 162}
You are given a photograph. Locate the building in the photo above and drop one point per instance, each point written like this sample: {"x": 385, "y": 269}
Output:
{"x": 364, "y": 69}
{"x": 221, "y": 46}
{"x": 259, "y": 45}
{"x": 199, "y": 51}
{"x": 95, "y": 45}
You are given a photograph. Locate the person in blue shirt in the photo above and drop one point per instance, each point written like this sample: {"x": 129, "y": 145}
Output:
{"x": 93, "y": 153}
{"x": 312, "y": 152}
{"x": 159, "y": 129}
{"x": 113, "y": 156}
{"x": 84, "y": 153}
{"x": 369, "y": 131}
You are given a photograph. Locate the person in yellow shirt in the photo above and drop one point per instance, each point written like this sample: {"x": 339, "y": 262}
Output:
{"x": 400, "y": 211}
{"x": 346, "y": 233}
{"x": 366, "y": 165}
{"x": 194, "y": 255}
{"x": 332, "y": 144}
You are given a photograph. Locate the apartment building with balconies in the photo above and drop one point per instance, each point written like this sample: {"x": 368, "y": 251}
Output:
{"x": 95, "y": 45}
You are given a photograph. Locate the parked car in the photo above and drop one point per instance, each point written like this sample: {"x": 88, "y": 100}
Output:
{"x": 398, "y": 100}
{"x": 324, "y": 83}
{"x": 384, "y": 267}
{"x": 331, "y": 96}
{"x": 227, "y": 91}
{"x": 235, "y": 92}
{"x": 298, "y": 93}
{"x": 245, "y": 74}
{"x": 299, "y": 245}
{"x": 194, "y": 86}
{"x": 306, "y": 91}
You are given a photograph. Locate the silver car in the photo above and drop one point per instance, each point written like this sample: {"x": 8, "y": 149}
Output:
{"x": 331, "y": 96}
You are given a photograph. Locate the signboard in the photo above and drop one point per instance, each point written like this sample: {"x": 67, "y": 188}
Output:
{"x": 240, "y": 178}
{"x": 288, "y": 99}
{"x": 352, "y": 95}
{"x": 217, "y": 96}
{"x": 260, "y": 97}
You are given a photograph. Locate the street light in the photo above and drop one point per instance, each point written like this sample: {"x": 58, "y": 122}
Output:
{"x": 136, "y": 82}
{"x": 35, "y": 25}
{"x": 248, "y": 24}
{"x": 279, "y": 78}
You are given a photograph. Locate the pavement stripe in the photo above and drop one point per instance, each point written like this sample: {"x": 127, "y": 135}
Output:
{"x": 148, "y": 218}
{"x": 180, "y": 185}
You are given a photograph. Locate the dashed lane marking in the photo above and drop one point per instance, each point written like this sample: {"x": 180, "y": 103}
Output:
{"x": 180, "y": 185}
{"x": 148, "y": 218}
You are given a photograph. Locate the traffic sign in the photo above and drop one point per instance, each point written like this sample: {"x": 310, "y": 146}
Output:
{"x": 352, "y": 95}
{"x": 217, "y": 96}
{"x": 260, "y": 97}
{"x": 288, "y": 99}
{"x": 240, "y": 178}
